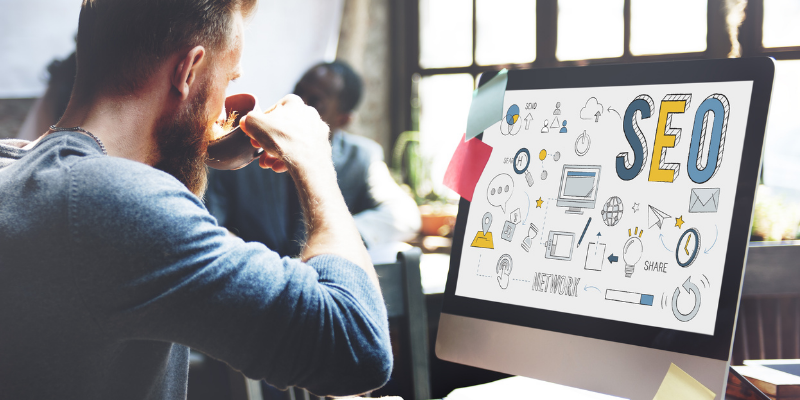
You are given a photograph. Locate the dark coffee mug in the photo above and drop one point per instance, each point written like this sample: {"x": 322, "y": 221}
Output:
{"x": 234, "y": 151}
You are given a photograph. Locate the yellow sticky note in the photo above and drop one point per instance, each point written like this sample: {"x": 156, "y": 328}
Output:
{"x": 680, "y": 385}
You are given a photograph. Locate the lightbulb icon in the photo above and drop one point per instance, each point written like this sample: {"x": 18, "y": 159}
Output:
{"x": 632, "y": 252}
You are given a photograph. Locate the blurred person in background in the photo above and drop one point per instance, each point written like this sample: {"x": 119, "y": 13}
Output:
{"x": 48, "y": 109}
{"x": 263, "y": 206}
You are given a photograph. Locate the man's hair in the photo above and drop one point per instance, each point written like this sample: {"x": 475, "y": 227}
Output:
{"x": 122, "y": 42}
{"x": 352, "y": 88}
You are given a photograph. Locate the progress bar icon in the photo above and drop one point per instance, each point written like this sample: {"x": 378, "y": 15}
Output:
{"x": 629, "y": 297}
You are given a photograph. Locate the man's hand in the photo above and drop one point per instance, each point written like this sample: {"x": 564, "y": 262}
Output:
{"x": 295, "y": 139}
{"x": 292, "y": 135}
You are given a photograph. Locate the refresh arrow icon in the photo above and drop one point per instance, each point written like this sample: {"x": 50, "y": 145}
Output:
{"x": 690, "y": 288}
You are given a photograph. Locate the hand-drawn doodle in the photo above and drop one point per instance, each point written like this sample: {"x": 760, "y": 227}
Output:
{"x": 609, "y": 109}
{"x": 578, "y": 187}
{"x": 559, "y": 245}
{"x": 546, "y": 127}
{"x": 612, "y": 211}
{"x": 584, "y": 231}
{"x": 522, "y": 160}
{"x": 705, "y": 166}
{"x": 635, "y": 207}
{"x": 716, "y": 236}
{"x": 557, "y": 111}
{"x": 515, "y": 217}
{"x": 582, "y": 144}
{"x": 629, "y": 166}
{"x": 690, "y": 288}
{"x": 667, "y": 137}
{"x": 556, "y": 156}
{"x": 528, "y": 119}
{"x": 629, "y": 297}
{"x": 499, "y": 191}
{"x": 679, "y": 222}
{"x": 508, "y": 231}
{"x": 483, "y": 239}
{"x": 563, "y": 127}
{"x": 504, "y": 266}
{"x": 530, "y": 106}
{"x": 592, "y": 110}
{"x": 594, "y": 256}
{"x": 688, "y": 247}
{"x": 632, "y": 251}
{"x": 539, "y": 203}
{"x": 528, "y": 241}
{"x": 656, "y": 217}
{"x": 555, "y": 124}
{"x": 704, "y": 200}
{"x": 509, "y": 125}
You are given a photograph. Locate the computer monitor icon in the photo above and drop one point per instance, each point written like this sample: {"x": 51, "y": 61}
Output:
{"x": 579, "y": 184}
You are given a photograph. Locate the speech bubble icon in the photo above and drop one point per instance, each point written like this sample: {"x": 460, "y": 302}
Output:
{"x": 499, "y": 191}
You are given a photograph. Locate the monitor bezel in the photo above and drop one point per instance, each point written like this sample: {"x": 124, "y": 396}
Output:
{"x": 761, "y": 72}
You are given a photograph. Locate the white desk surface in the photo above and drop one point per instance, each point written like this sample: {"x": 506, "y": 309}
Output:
{"x": 519, "y": 387}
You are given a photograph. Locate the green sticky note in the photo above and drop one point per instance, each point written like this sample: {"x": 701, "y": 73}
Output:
{"x": 487, "y": 105}
{"x": 680, "y": 385}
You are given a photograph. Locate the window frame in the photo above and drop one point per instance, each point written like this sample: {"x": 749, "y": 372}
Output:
{"x": 405, "y": 49}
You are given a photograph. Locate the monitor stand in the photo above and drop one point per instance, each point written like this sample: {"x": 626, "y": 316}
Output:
{"x": 574, "y": 210}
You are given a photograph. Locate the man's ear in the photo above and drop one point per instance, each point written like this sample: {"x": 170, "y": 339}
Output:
{"x": 186, "y": 70}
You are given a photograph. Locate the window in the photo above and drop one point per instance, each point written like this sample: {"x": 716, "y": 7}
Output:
{"x": 457, "y": 40}
{"x": 780, "y": 23}
{"x": 590, "y": 29}
{"x": 679, "y": 26}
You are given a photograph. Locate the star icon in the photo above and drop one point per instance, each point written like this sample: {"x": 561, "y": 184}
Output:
{"x": 539, "y": 203}
{"x": 635, "y": 207}
{"x": 679, "y": 221}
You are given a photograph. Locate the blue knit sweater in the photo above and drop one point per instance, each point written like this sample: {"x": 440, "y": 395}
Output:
{"x": 110, "y": 269}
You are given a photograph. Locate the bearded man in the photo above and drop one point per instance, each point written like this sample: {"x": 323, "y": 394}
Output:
{"x": 110, "y": 266}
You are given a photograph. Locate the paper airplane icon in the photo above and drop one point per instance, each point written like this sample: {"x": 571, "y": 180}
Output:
{"x": 656, "y": 217}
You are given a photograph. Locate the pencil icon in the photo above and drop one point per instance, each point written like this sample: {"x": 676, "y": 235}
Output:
{"x": 584, "y": 232}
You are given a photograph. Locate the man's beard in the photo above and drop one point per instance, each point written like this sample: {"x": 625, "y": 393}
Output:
{"x": 182, "y": 141}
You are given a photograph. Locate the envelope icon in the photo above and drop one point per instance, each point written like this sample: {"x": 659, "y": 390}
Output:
{"x": 704, "y": 200}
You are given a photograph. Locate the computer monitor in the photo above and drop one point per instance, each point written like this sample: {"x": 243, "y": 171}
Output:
{"x": 579, "y": 185}
{"x": 651, "y": 275}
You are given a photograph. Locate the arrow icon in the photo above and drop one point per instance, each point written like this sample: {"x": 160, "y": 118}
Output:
{"x": 612, "y": 258}
{"x": 586, "y": 288}
{"x": 715, "y": 241}
{"x": 528, "y": 119}
{"x": 690, "y": 288}
{"x": 662, "y": 241}
{"x": 596, "y": 116}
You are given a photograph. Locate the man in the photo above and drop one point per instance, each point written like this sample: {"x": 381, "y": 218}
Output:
{"x": 263, "y": 206}
{"x": 110, "y": 266}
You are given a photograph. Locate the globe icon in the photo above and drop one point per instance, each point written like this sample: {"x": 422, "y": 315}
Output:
{"x": 612, "y": 211}
{"x": 512, "y": 115}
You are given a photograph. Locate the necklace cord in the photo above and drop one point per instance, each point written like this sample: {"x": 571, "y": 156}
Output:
{"x": 79, "y": 129}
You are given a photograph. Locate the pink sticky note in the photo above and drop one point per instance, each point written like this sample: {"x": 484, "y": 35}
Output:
{"x": 466, "y": 166}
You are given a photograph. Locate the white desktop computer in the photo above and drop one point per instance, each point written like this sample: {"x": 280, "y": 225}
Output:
{"x": 644, "y": 269}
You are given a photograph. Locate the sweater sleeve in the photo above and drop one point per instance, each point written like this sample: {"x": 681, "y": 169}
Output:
{"x": 154, "y": 265}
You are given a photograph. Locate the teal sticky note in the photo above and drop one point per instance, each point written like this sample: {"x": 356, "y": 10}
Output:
{"x": 487, "y": 105}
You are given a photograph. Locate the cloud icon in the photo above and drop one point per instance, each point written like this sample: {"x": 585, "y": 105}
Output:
{"x": 592, "y": 110}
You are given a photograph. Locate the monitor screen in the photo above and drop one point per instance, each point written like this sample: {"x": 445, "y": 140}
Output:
{"x": 654, "y": 170}
{"x": 578, "y": 184}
